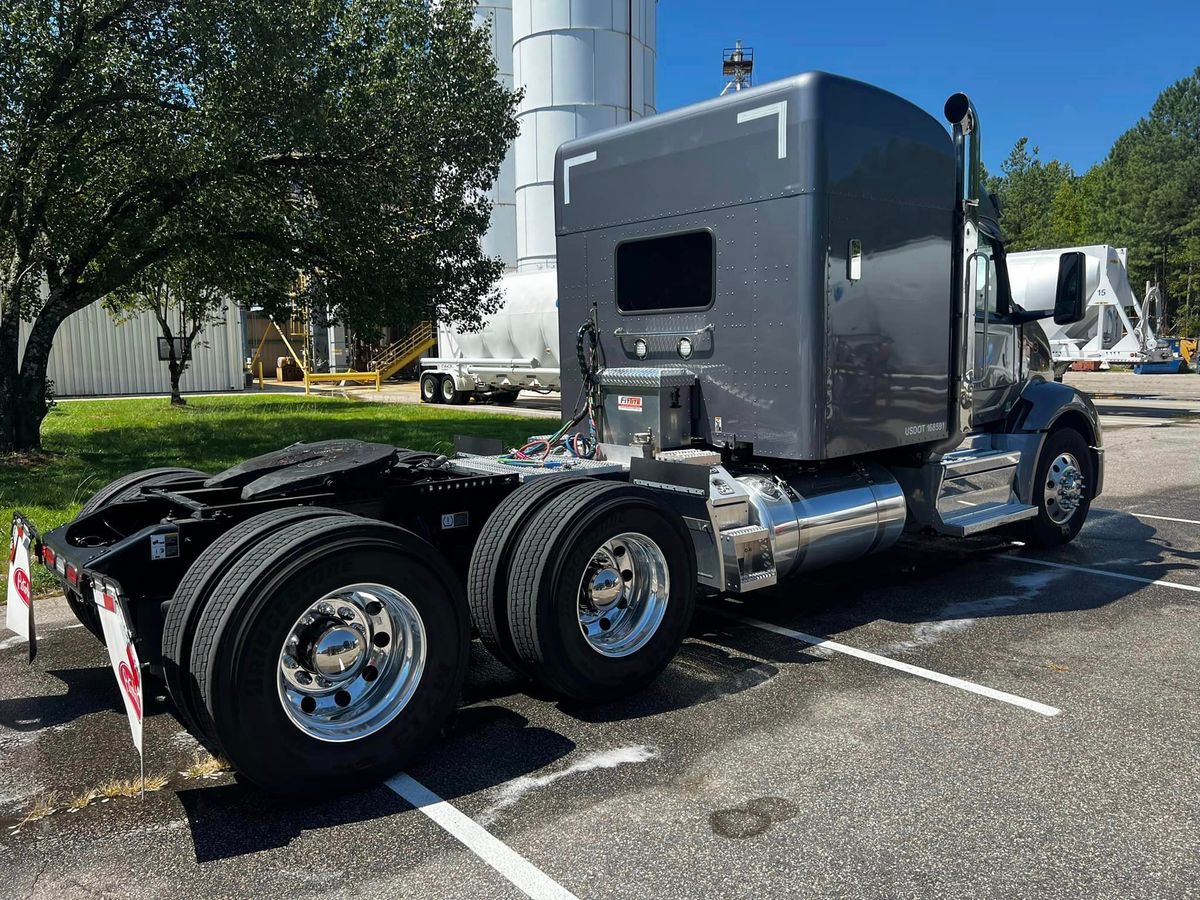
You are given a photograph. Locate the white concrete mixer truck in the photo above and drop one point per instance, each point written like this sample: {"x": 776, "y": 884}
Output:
{"x": 516, "y": 350}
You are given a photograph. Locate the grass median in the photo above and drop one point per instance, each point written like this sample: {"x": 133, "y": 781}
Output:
{"x": 89, "y": 443}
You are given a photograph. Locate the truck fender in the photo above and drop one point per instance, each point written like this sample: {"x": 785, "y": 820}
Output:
{"x": 1042, "y": 407}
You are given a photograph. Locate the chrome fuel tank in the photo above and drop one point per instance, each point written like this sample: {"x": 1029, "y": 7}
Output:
{"x": 820, "y": 518}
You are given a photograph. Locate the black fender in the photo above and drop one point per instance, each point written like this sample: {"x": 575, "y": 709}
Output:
{"x": 1042, "y": 407}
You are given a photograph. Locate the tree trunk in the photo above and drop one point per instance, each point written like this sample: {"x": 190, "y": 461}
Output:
{"x": 177, "y": 369}
{"x": 10, "y": 347}
{"x": 27, "y": 403}
{"x": 25, "y": 406}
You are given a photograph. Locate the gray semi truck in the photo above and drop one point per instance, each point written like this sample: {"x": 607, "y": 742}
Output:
{"x": 788, "y": 336}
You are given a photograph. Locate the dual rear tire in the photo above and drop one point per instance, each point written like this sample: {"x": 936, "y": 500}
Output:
{"x": 438, "y": 388}
{"x": 588, "y": 586}
{"x": 324, "y": 651}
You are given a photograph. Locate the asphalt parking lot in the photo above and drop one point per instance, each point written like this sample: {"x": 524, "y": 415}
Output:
{"x": 960, "y": 719}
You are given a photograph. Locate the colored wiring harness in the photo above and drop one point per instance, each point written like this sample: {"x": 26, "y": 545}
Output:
{"x": 558, "y": 449}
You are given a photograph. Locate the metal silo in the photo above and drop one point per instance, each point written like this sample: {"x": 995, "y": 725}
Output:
{"x": 585, "y": 65}
{"x": 501, "y": 237}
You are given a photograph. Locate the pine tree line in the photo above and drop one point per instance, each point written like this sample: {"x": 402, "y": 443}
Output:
{"x": 1145, "y": 195}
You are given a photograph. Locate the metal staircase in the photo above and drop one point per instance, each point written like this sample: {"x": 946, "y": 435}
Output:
{"x": 405, "y": 351}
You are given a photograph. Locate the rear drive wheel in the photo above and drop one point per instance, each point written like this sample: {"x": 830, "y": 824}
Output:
{"x": 124, "y": 488}
{"x": 1062, "y": 489}
{"x": 450, "y": 393}
{"x": 431, "y": 384}
{"x": 487, "y": 578}
{"x": 602, "y": 591}
{"x": 331, "y": 653}
{"x": 194, "y": 591}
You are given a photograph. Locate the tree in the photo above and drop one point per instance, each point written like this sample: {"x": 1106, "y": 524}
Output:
{"x": 1145, "y": 195}
{"x": 184, "y": 300}
{"x": 1027, "y": 189}
{"x": 352, "y": 140}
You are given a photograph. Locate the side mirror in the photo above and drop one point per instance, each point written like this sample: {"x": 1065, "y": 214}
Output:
{"x": 1068, "y": 297}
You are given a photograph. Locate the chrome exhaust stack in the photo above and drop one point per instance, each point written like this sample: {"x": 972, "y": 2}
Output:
{"x": 964, "y": 122}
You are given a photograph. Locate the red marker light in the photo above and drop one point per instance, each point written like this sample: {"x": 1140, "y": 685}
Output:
{"x": 72, "y": 575}
{"x": 48, "y": 557}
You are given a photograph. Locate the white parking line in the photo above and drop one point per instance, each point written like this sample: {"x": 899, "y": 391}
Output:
{"x": 969, "y": 686}
{"x": 523, "y": 874}
{"x": 1166, "y": 518}
{"x": 1055, "y": 565}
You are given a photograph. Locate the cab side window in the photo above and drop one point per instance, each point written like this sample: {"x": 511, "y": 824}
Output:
{"x": 987, "y": 289}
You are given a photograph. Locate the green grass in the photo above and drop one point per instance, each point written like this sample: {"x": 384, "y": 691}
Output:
{"x": 88, "y": 444}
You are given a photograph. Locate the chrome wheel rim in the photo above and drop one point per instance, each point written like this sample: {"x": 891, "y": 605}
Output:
{"x": 1064, "y": 488}
{"x": 448, "y": 389}
{"x": 351, "y": 662}
{"x": 429, "y": 388}
{"x": 623, "y": 595}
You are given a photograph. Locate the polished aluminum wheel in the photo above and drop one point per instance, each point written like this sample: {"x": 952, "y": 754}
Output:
{"x": 623, "y": 595}
{"x": 351, "y": 662}
{"x": 1064, "y": 489}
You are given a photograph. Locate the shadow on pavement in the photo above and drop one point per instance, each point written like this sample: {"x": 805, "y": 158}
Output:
{"x": 483, "y": 747}
{"x": 932, "y": 580}
{"x": 89, "y": 690}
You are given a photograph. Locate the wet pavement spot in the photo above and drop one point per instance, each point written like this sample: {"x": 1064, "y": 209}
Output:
{"x": 752, "y": 818}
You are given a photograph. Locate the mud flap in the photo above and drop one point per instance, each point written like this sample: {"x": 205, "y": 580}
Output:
{"x": 19, "y": 615}
{"x": 118, "y": 638}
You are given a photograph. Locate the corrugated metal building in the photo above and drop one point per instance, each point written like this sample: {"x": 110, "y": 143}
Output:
{"x": 93, "y": 355}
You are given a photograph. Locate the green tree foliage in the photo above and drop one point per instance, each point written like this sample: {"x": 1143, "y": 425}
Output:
{"x": 1027, "y": 189}
{"x": 1145, "y": 195}
{"x": 352, "y": 141}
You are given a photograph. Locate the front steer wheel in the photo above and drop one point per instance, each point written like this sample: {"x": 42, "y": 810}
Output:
{"x": 331, "y": 654}
{"x": 1063, "y": 485}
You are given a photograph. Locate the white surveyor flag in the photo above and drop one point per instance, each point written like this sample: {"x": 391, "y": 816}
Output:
{"x": 121, "y": 653}
{"x": 19, "y": 615}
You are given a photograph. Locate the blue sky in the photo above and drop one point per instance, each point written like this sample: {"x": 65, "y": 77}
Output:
{"x": 1072, "y": 76}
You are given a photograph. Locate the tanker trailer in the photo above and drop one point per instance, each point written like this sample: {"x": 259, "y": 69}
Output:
{"x": 515, "y": 350}
{"x": 1106, "y": 333}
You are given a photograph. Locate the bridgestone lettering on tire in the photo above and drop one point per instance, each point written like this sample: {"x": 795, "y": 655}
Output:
{"x": 544, "y": 587}
{"x": 236, "y": 653}
{"x": 193, "y": 592}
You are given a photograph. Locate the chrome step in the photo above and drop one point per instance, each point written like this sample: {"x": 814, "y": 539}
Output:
{"x": 749, "y": 564}
{"x": 976, "y": 493}
{"x": 972, "y": 462}
{"x": 973, "y": 520}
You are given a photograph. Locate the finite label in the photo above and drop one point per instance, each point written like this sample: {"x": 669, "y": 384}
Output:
{"x": 632, "y": 404}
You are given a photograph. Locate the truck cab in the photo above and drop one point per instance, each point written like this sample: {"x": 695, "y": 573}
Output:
{"x": 808, "y": 276}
